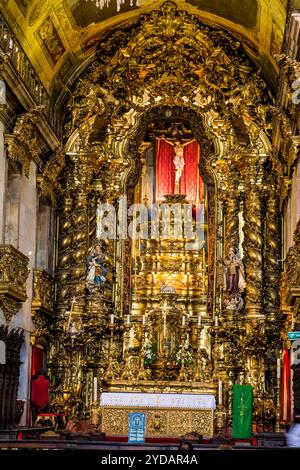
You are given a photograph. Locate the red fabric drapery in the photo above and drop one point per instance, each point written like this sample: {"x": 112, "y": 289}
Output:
{"x": 285, "y": 387}
{"x": 165, "y": 170}
{"x": 190, "y": 181}
{"x": 37, "y": 362}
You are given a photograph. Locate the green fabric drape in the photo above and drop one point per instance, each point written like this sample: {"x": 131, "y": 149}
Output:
{"x": 242, "y": 411}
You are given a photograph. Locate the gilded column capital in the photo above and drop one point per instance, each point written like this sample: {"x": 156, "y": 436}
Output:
{"x": 48, "y": 181}
{"x": 13, "y": 275}
{"x": 22, "y": 144}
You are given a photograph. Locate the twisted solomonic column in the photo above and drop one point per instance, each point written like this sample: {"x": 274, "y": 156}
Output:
{"x": 253, "y": 243}
{"x": 272, "y": 254}
{"x": 65, "y": 241}
{"x": 83, "y": 171}
{"x": 232, "y": 207}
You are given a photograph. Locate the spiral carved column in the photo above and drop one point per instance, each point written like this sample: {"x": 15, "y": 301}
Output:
{"x": 65, "y": 242}
{"x": 272, "y": 254}
{"x": 232, "y": 206}
{"x": 271, "y": 287}
{"x": 253, "y": 249}
{"x": 83, "y": 173}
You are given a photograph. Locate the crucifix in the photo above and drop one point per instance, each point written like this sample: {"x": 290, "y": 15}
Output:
{"x": 178, "y": 143}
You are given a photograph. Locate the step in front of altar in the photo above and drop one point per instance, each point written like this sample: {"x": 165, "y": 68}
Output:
{"x": 167, "y": 414}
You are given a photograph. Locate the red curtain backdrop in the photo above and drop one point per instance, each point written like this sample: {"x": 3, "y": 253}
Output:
{"x": 190, "y": 181}
{"x": 285, "y": 387}
{"x": 165, "y": 170}
{"x": 37, "y": 361}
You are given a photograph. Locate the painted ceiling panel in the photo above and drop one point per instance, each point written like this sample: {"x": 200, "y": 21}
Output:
{"x": 243, "y": 12}
{"x": 86, "y": 12}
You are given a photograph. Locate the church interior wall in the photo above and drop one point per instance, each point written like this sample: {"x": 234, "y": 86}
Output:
{"x": 29, "y": 220}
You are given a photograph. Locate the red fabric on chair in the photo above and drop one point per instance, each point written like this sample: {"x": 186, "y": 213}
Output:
{"x": 40, "y": 392}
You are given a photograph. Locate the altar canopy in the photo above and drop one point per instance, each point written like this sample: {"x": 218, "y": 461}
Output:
{"x": 190, "y": 183}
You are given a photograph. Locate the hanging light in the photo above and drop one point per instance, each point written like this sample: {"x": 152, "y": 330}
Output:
{"x": 106, "y": 3}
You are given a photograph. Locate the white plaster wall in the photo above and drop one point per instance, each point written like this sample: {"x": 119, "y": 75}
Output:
{"x": 26, "y": 243}
{"x": 3, "y": 176}
{"x": 292, "y": 213}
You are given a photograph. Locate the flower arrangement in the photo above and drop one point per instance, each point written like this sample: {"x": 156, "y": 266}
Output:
{"x": 188, "y": 355}
{"x": 149, "y": 353}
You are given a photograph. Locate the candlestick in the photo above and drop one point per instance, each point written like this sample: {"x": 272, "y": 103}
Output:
{"x": 216, "y": 321}
{"x": 95, "y": 389}
{"x": 278, "y": 368}
{"x": 112, "y": 319}
{"x": 199, "y": 319}
{"x": 128, "y": 319}
{"x": 183, "y": 320}
{"x": 71, "y": 311}
{"x": 165, "y": 325}
{"x": 220, "y": 392}
{"x": 144, "y": 320}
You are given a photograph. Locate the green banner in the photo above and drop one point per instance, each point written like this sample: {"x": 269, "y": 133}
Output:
{"x": 242, "y": 411}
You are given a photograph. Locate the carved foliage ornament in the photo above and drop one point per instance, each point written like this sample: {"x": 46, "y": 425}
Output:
{"x": 13, "y": 275}
{"x": 169, "y": 57}
{"x": 49, "y": 183}
{"x": 22, "y": 144}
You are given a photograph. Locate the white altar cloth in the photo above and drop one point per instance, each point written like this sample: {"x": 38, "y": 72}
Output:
{"x": 157, "y": 400}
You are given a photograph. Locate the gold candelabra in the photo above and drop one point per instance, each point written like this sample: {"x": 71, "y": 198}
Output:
{"x": 198, "y": 370}
{"x": 182, "y": 372}
{"x": 142, "y": 372}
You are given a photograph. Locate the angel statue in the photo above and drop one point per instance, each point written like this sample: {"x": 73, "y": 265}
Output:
{"x": 96, "y": 272}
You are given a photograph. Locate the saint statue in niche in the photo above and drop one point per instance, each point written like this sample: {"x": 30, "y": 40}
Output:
{"x": 96, "y": 272}
{"x": 234, "y": 281}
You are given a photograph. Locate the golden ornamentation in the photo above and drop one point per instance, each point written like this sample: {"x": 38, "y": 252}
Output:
{"x": 198, "y": 75}
{"x": 22, "y": 144}
{"x": 42, "y": 305}
{"x": 48, "y": 182}
{"x": 13, "y": 275}
{"x": 272, "y": 255}
{"x": 253, "y": 242}
{"x": 160, "y": 422}
{"x": 43, "y": 291}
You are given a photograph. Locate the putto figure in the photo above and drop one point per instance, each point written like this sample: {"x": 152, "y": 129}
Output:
{"x": 96, "y": 272}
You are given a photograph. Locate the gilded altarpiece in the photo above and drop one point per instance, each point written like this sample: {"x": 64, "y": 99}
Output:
{"x": 117, "y": 329}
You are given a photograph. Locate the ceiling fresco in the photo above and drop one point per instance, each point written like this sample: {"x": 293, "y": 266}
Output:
{"x": 84, "y": 15}
{"x": 241, "y": 12}
{"x": 58, "y": 36}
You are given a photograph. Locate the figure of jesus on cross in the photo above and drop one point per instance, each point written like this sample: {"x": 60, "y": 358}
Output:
{"x": 178, "y": 144}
